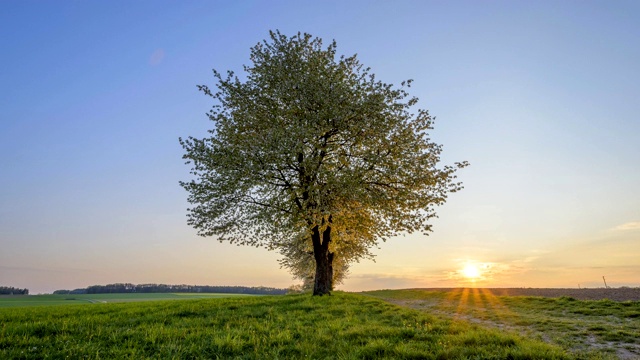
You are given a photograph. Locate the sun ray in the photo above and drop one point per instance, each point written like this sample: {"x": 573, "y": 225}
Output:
{"x": 495, "y": 307}
{"x": 463, "y": 302}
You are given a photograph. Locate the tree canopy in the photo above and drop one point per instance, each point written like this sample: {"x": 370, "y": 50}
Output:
{"x": 310, "y": 151}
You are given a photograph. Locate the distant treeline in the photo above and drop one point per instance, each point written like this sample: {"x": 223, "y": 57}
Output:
{"x": 6, "y": 290}
{"x": 162, "y": 288}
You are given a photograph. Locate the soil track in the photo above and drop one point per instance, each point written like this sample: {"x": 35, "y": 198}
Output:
{"x": 615, "y": 294}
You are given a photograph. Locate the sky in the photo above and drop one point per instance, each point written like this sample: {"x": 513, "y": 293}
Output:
{"x": 541, "y": 97}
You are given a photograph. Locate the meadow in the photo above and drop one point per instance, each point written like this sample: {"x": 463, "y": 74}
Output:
{"x": 591, "y": 329}
{"x": 341, "y": 326}
{"x": 50, "y": 299}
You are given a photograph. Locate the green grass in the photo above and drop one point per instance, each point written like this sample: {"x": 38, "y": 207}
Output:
{"x": 342, "y": 326}
{"x": 600, "y": 329}
{"x": 41, "y": 300}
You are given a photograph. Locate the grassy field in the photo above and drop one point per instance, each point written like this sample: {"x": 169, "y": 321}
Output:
{"x": 40, "y": 300}
{"x": 342, "y": 326}
{"x": 590, "y": 329}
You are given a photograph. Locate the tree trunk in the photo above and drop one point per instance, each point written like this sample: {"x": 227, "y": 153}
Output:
{"x": 324, "y": 262}
{"x": 330, "y": 256}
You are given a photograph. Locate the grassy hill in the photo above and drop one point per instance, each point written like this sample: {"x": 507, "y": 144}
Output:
{"x": 343, "y": 326}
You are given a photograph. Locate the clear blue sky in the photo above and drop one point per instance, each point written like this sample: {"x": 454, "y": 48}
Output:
{"x": 542, "y": 97}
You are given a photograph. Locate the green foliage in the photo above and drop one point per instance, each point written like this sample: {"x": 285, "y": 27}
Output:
{"x": 591, "y": 329}
{"x": 343, "y": 326}
{"x": 310, "y": 147}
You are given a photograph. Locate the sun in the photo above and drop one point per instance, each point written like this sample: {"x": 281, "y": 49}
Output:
{"x": 471, "y": 271}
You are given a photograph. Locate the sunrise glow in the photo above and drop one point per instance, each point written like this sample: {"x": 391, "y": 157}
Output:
{"x": 471, "y": 271}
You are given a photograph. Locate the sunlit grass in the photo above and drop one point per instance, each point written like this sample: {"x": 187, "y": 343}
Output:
{"x": 342, "y": 326}
{"x": 590, "y": 329}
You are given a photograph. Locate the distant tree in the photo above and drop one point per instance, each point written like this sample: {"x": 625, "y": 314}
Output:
{"x": 9, "y": 290}
{"x": 310, "y": 147}
{"x": 70, "y": 292}
{"x": 162, "y": 288}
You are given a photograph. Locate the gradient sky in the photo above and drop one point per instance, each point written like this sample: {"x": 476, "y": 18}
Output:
{"x": 541, "y": 97}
